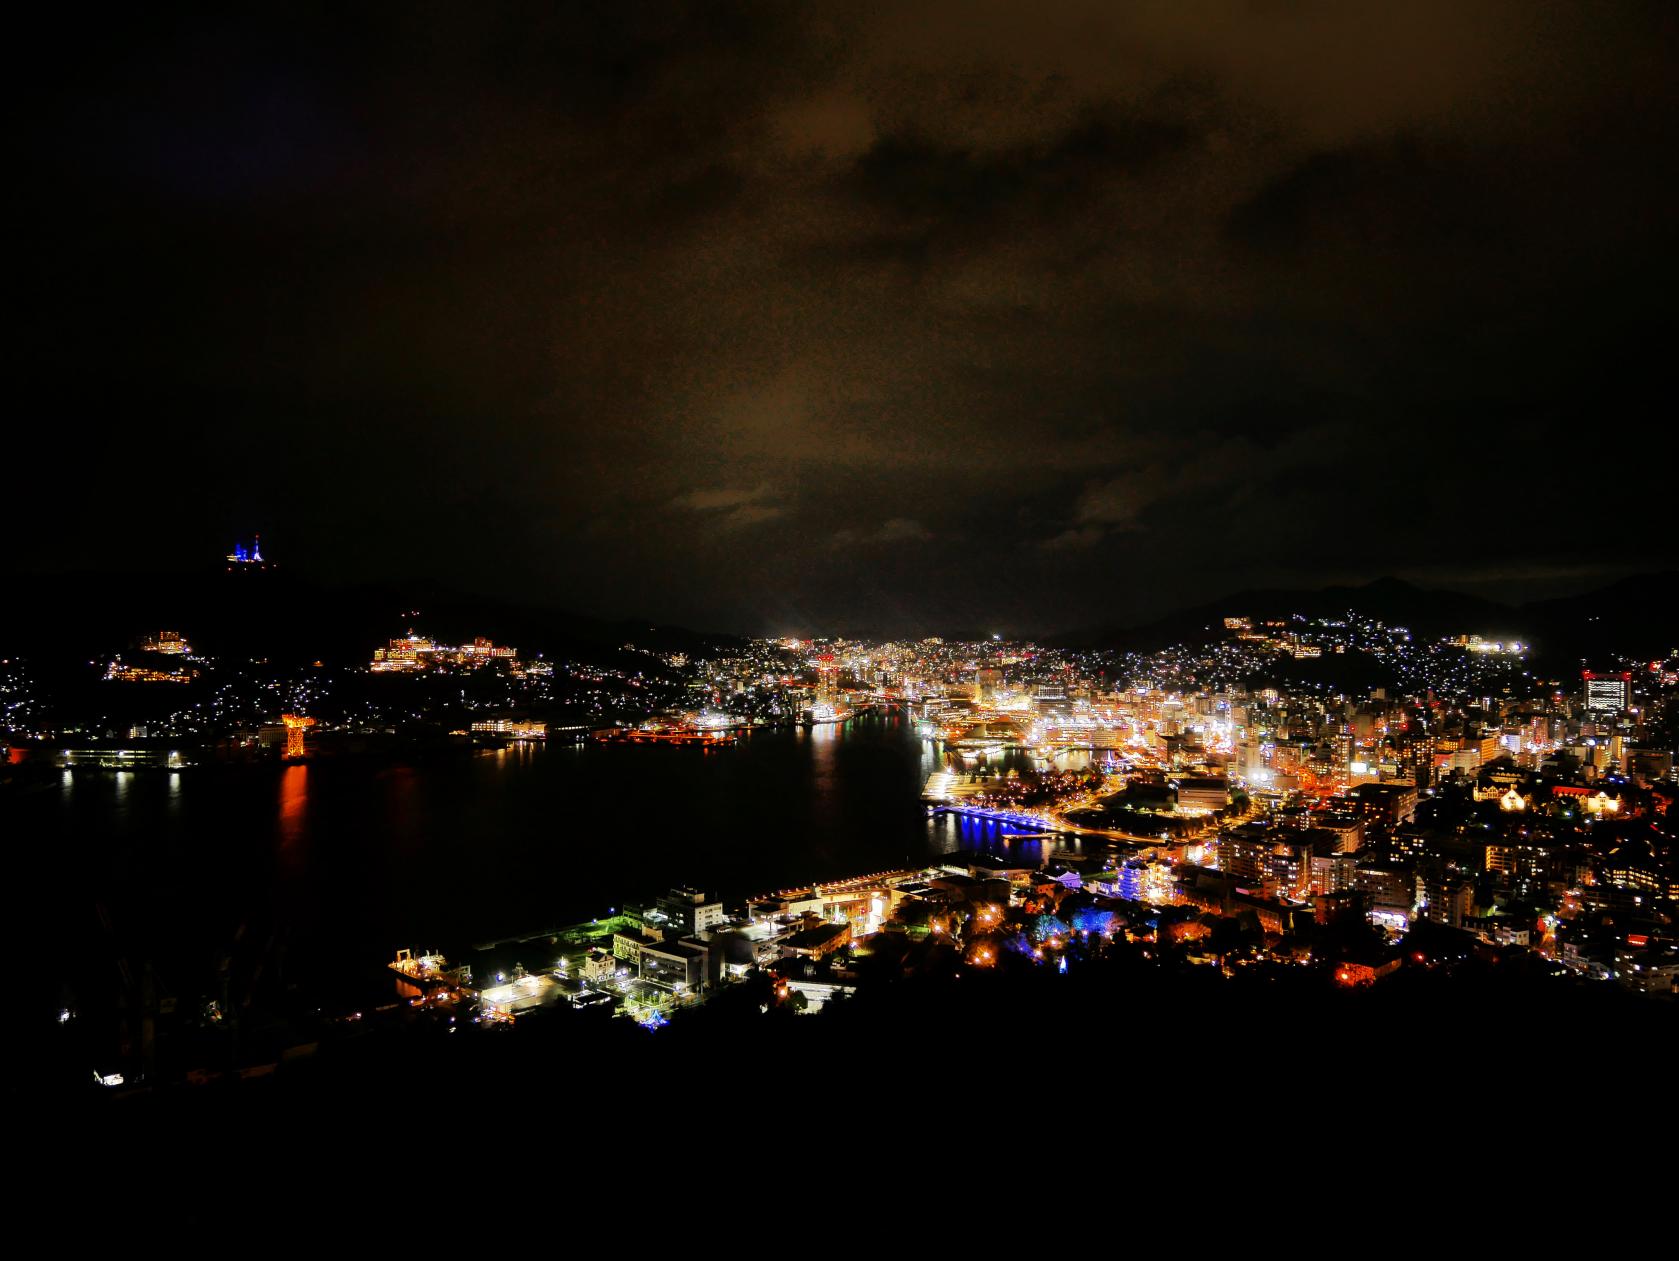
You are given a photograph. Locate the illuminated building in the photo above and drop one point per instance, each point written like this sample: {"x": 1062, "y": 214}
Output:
{"x": 1476, "y": 644}
{"x": 1356, "y": 973}
{"x": 1387, "y": 804}
{"x": 1450, "y": 902}
{"x": 1520, "y": 861}
{"x": 1420, "y": 759}
{"x": 600, "y": 966}
{"x": 1152, "y": 882}
{"x": 123, "y": 759}
{"x": 817, "y": 993}
{"x": 1650, "y": 971}
{"x": 1244, "y": 852}
{"x": 1347, "y": 829}
{"x": 1603, "y": 801}
{"x": 674, "y": 965}
{"x": 1203, "y": 792}
{"x": 1288, "y": 869}
{"x": 1050, "y": 698}
{"x": 827, "y": 674}
{"x": 118, "y": 672}
{"x": 1391, "y": 890}
{"x": 1607, "y": 693}
{"x": 525, "y": 992}
{"x": 627, "y": 943}
{"x": 1651, "y": 764}
{"x": 481, "y": 649}
{"x": 402, "y": 654}
{"x": 1343, "y": 753}
{"x": 168, "y": 642}
{"x": 413, "y": 652}
{"x": 1332, "y": 869}
{"x": 512, "y": 728}
{"x": 1499, "y": 929}
{"x": 818, "y": 942}
{"x": 691, "y": 911}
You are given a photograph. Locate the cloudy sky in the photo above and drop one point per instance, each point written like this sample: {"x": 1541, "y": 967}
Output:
{"x": 864, "y": 316}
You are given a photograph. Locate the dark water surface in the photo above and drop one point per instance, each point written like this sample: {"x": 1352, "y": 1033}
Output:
{"x": 311, "y": 873}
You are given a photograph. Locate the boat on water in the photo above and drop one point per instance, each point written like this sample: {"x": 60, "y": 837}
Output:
{"x": 671, "y": 733}
{"x": 820, "y": 715}
{"x": 429, "y": 968}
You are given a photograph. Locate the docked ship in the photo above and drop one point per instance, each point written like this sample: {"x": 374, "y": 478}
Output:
{"x": 817, "y": 715}
{"x": 667, "y": 732}
{"x": 428, "y": 969}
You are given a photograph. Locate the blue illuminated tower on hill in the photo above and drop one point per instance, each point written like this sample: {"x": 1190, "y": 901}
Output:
{"x": 251, "y": 556}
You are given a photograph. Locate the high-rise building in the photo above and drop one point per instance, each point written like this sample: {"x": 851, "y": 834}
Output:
{"x": 1607, "y": 693}
{"x": 1450, "y": 901}
{"x": 827, "y": 682}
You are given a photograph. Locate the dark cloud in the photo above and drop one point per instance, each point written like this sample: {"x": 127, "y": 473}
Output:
{"x": 759, "y": 314}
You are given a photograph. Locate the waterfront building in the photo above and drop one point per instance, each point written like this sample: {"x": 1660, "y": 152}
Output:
{"x": 512, "y": 728}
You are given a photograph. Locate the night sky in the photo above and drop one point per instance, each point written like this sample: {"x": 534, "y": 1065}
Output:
{"x": 894, "y": 317}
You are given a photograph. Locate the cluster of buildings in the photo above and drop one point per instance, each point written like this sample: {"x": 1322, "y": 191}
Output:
{"x": 120, "y": 671}
{"x": 1359, "y": 886}
{"x": 1357, "y": 892}
{"x": 1463, "y": 794}
{"x": 411, "y": 653}
{"x": 169, "y": 643}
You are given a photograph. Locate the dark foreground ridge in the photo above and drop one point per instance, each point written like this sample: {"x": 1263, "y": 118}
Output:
{"x": 1170, "y": 1047}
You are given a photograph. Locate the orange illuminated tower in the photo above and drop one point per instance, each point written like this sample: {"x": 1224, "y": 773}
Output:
{"x": 296, "y": 725}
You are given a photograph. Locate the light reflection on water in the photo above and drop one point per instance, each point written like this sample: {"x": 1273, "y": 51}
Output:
{"x": 350, "y": 858}
{"x": 294, "y": 804}
{"x": 950, "y": 833}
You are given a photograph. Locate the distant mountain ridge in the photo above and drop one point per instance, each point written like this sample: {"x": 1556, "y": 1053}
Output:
{"x": 1624, "y": 616}
{"x": 288, "y": 617}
